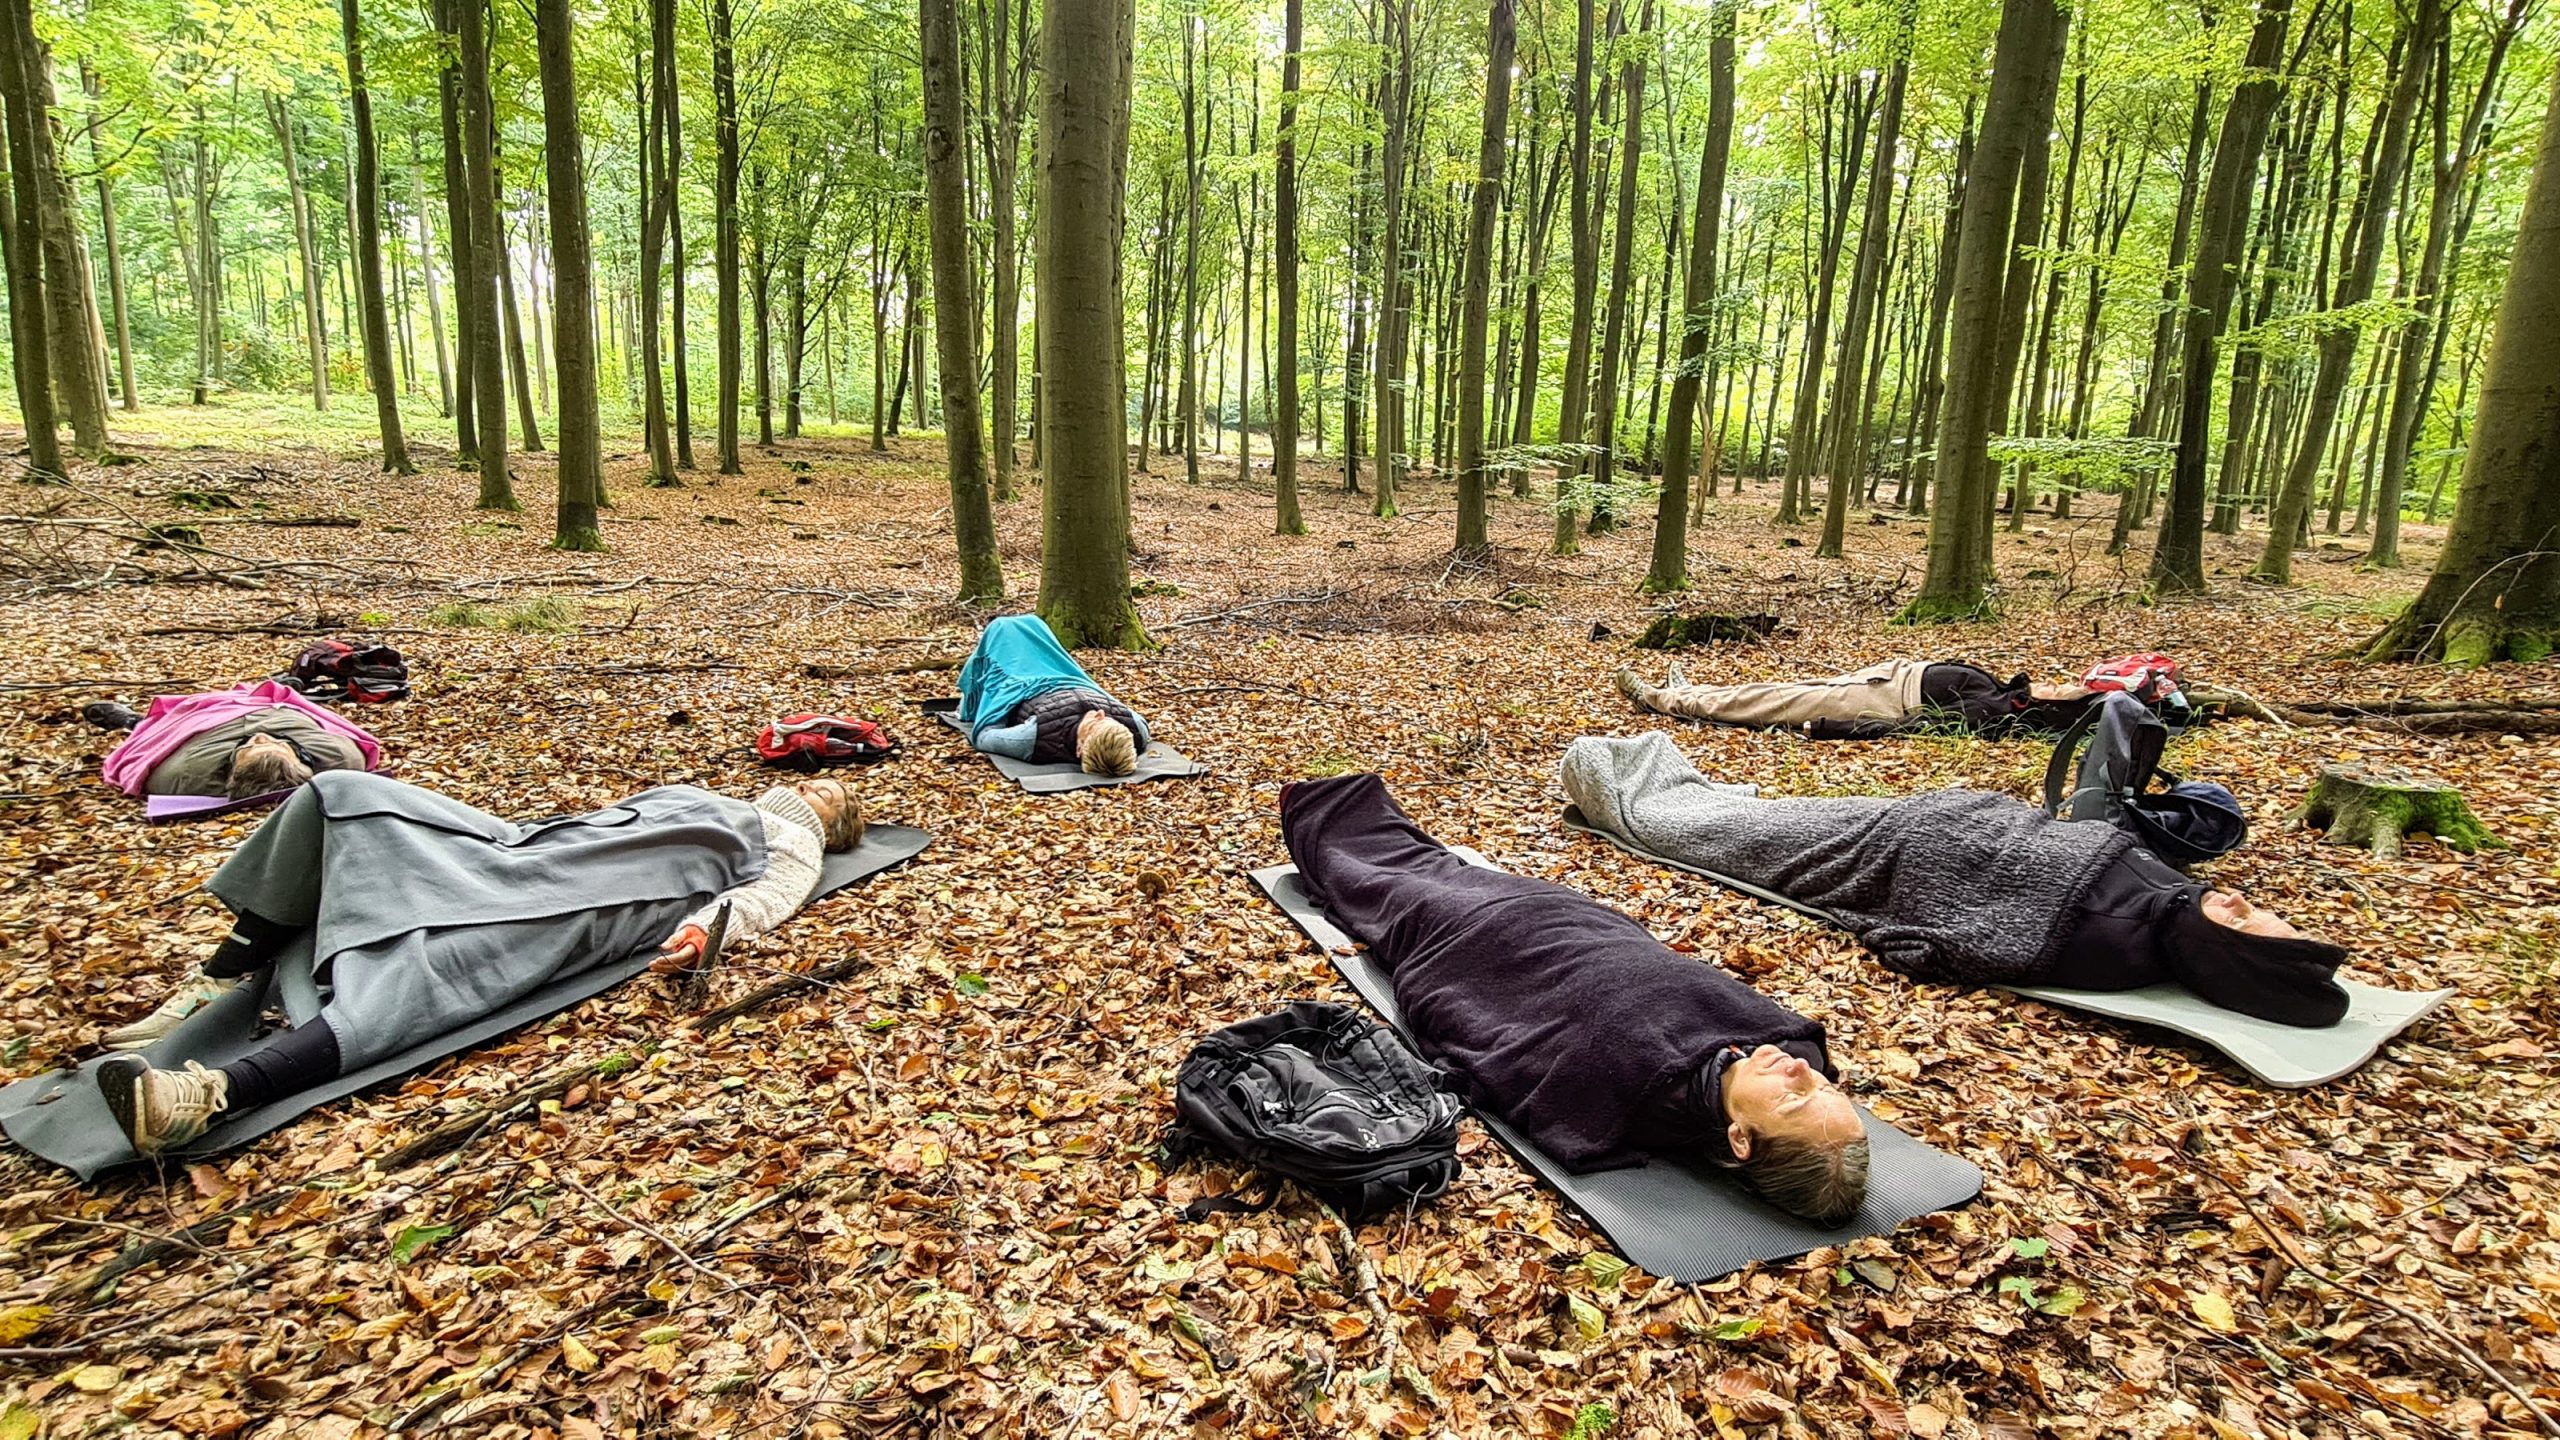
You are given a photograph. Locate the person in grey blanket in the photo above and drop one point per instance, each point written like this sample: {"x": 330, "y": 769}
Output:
{"x": 423, "y": 914}
{"x": 1891, "y": 697}
{"x": 1963, "y": 886}
{"x": 1570, "y": 1021}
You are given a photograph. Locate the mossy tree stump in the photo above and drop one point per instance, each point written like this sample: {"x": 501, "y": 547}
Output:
{"x": 2375, "y": 806}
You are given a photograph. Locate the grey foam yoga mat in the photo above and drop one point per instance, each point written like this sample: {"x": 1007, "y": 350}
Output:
{"x": 61, "y": 1116}
{"x": 2286, "y": 1057}
{"x": 1685, "y": 1223}
{"x": 1158, "y": 762}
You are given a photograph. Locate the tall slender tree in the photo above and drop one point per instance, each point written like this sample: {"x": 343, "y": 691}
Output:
{"x": 1501, "y": 37}
{"x": 1284, "y": 259}
{"x": 1959, "y": 570}
{"x": 1395, "y": 97}
{"x": 368, "y": 244}
{"x": 1669, "y": 569}
{"x": 1848, "y": 404}
{"x": 479, "y": 176}
{"x": 1083, "y": 422}
{"x": 955, "y": 304}
{"x": 573, "y": 337}
{"x": 725, "y": 165}
{"x": 2177, "y": 561}
{"x": 2495, "y": 592}
{"x": 2371, "y": 228}
{"x": 1604, "y": 401}
{"x": 1574, "y": 393}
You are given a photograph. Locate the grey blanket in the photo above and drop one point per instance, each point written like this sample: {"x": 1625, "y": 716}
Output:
{"x": 1960, "y": 886}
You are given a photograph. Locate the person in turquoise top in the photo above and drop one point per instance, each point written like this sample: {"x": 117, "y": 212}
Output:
{"x": 1023, "y": 695}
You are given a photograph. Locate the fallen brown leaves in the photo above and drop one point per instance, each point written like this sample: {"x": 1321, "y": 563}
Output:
{"x": 924, "y": 1196}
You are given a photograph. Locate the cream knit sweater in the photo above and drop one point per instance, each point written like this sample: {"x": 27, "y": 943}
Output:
{"x": 793, "y": 854}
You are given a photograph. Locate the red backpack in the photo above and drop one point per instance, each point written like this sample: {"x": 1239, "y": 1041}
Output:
{"x": 2150, "y": 678}
{"x": 812, "y": 742}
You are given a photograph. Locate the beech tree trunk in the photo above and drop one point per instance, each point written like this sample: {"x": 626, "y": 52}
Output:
{"x": 1284, "y": 259}
{"x": 1395, "y": 95}
{"x": 724, "y": 94}
{"x": 1573, "y": 395}
{"x": 1959, "y": 569}
{"x": 29, "y": 314}
{"x": 1604, "y": 403}
{"x": 1084, "y": 555}
{"x": 2177, "y": 561}
{"x": 1669, "y": 569}
{"x": 479, "y": 166}
{"x": 315, "y": 318}
{"x": 368, "y": 246}
{"x": 955, "y": 305}
{"x": 109, "y": 232}
{"x": 2355, "y": 285}
{"x": 1475, "y": 307}
{"x": 2495, "y": 593}
{"x": 457, "y": 232}
{"x": 573, "y": 336}
{"x": 2423, "y": 338}
{"x": 1848, "y": 401}
{"x": 53, "y": 225}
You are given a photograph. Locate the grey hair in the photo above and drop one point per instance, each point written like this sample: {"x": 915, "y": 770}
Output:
{"x": 1822, "y": 1183}
{"x": 265, "y": 770}
{"x": 1110, "y": 750}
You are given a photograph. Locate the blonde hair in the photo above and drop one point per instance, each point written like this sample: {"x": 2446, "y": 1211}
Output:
{"x": 1109, "y": 749}
{"x": 265, "y": 770}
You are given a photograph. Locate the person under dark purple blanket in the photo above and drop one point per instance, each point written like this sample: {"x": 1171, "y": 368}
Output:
{"x": 1570, "y": 1021}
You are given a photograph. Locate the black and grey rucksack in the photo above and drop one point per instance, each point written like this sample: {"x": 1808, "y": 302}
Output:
{"x": 1324, "y": 1096}
{"x": 2186, "y": 823}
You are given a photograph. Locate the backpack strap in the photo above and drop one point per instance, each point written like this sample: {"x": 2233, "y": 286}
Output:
{"x": 1208, "y": 1205}
{"x": 2057, "y": 771}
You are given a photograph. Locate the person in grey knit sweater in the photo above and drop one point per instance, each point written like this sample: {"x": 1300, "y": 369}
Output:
{"x": 1964, "y": 887}
{"x": 417, "y": 915}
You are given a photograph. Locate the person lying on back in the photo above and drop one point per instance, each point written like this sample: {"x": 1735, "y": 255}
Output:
{"x": 1570, "y": 1021}
{"x": 232, "y": 744}
{"x": 1965, "y": 887}
{"x": 422, "y": 916}
{"x": 1887, "y": 698}
{"x": 1023, "y": 695}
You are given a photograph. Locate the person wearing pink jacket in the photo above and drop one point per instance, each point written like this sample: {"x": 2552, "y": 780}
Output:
{"x": 258, "y": 740}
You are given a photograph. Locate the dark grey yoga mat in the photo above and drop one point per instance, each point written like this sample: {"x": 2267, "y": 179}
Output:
{"x": 2286, "y": 1057}
{"x": 60, "y": 1116}
{"x": 1159, "y": 761}
{"x": 1681, "y": 1222}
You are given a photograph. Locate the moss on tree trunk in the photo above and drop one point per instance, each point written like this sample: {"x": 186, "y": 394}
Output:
{"x": 2375, "y": 807}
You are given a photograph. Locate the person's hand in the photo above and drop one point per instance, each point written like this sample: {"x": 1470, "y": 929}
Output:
{"x": 681, "y": 950}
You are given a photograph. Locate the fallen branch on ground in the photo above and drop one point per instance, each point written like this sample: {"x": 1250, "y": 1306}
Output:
{"x": 2416, "y": 717}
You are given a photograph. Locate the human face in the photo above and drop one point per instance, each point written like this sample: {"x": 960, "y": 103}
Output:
{"x": 2223, "y": 907}
{"x": 259, "y": 744}
{"x": 1770, "y": 1092}
{"x": 827, "y": 797}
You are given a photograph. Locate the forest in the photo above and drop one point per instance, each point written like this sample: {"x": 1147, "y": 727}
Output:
{"x": 1353, "y": 387}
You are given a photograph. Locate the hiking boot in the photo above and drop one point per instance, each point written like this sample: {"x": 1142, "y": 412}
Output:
{"x": 161, "y": 1109}
{"x": 193, "y": 993}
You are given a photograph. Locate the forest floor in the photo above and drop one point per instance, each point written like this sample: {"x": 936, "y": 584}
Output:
{"x": 925, "y": 1198}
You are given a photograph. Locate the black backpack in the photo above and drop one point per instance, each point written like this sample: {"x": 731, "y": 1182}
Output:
{"x": 1324, "y": 1096}
{"x": 335, "y": 670}
{"x": 2187, "y": 823}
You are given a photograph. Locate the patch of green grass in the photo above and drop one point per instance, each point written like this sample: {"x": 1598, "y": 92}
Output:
{"x": 1325, "y": 767}
{"x": 2376, "y": 608}
{"x": 548, "y": 615}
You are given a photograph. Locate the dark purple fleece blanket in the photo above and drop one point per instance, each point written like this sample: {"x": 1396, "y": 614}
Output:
{"x": 1549, "y": 1009}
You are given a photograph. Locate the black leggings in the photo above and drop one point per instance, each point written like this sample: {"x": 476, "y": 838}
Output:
{"x": 298, "y": 1059}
